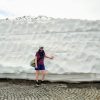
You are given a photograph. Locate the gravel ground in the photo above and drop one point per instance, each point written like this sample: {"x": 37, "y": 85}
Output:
{"x": 18, "y": 89}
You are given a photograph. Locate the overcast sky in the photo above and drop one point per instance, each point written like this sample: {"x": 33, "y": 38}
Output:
{"x": 77, "y": 9}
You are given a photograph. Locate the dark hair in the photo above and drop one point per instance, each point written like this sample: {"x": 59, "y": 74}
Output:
{"x": 41, "y": 53}
{"x": 41, "y": 47}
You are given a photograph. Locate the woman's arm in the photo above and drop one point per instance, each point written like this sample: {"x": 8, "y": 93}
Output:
{"x": 49, "y": 57}
{"x": 35, "y": 61}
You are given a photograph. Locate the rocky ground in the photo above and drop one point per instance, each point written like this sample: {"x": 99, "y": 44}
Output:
{"x": 11, "y": 89}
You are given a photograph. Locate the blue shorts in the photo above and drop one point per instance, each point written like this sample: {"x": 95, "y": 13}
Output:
{"x": 40, "y": 67}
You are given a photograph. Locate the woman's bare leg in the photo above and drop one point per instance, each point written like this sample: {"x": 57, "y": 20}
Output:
{"x": 37, "y": 75}
{"x": 43, "y": 74}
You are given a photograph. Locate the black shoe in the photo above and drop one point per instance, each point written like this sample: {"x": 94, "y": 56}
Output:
{"x": 37, "y": 83}
{"x": 42, "y": 82}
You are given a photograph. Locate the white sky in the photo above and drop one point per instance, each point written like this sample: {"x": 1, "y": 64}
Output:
{"x": 77, "y": 9}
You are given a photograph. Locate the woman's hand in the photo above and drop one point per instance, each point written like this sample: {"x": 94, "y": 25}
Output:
{"x": 35, "y": 66}
{"x": 51, "y": 57}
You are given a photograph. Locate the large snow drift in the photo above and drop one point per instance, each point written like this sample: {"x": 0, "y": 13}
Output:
{"x": 75, "y": 44}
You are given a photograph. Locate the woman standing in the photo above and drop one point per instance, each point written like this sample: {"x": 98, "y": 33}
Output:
{"x": 39, "y": 63}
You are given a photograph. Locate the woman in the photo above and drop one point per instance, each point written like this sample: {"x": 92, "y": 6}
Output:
{"x": 39, "y": 63}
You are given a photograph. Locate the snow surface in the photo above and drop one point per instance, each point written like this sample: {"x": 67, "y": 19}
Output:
{"x": 74, "y": 43}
